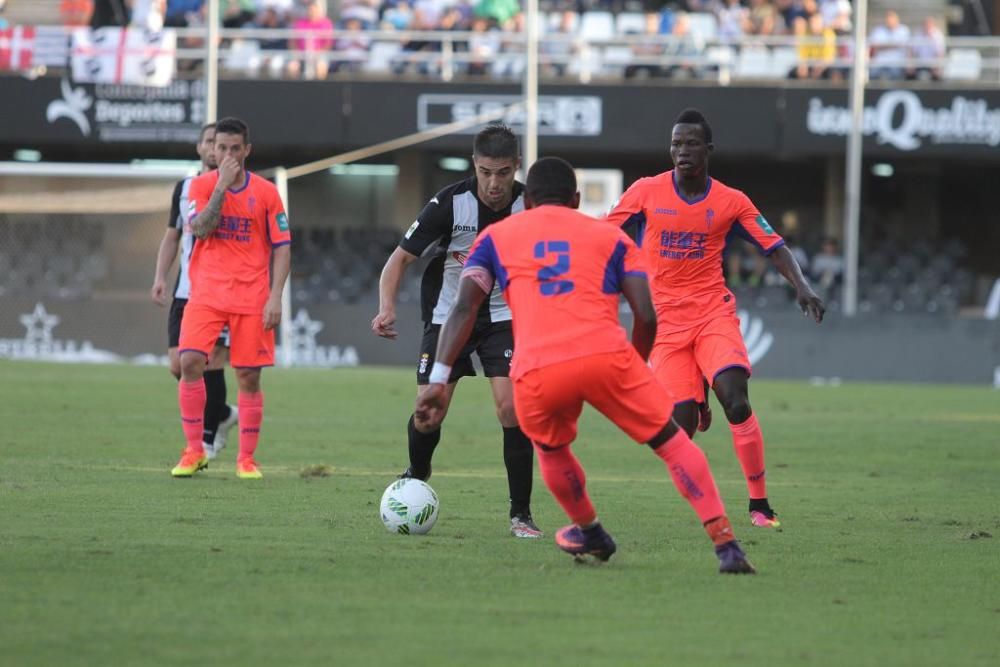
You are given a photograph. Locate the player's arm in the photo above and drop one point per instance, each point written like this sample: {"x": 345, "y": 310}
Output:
{"x": 281, "y": 265}
{"x": 752, "y": 226}
{"x": 786, "y": 264}
{"x": 205, "y": 222}
{"x": 636, "y": 291}
{"x": 433, "y": 222}
{"x": 169, "y": 245}
{"x": 384, "y": 323}
{"x": 628, "y": 213}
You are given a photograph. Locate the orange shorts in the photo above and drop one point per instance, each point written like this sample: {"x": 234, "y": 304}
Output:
{"x": 548, "y": 400}
{"x": 250, "y": 346}
{"x": 681, "y": 359}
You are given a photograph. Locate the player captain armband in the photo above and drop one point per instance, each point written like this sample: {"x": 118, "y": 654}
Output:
{"x": 440, "y": 373}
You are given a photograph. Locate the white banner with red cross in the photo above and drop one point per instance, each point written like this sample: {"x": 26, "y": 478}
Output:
{"x": 130, "y": 56}
{"x": 17, "y": 47}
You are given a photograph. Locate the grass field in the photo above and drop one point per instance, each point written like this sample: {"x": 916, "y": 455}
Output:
{"x": 890, "y": 497}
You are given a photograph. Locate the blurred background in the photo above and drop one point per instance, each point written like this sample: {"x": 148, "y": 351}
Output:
{"x": 102, "y": 102}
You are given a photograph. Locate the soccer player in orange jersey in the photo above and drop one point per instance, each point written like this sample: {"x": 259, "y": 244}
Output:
{"x": 684, "y": 218}
{"x": 561, "y": 273}
{"x": 241, "y": 227}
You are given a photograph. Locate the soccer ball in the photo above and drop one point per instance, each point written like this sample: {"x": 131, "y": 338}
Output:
{"x": 409, "y": 507}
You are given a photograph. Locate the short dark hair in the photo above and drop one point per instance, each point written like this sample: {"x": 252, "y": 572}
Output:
{"x": 232, "y": 125}
{"x": 695, "y": 117}
{"x": 551, "y": 180}
{"x": 205, "y": 128}
{"x": 496, "y": 141}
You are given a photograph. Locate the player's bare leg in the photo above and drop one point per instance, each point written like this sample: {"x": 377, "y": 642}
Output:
{"x": 686, "y": 416}
{"x": 424, "y": 438}
{"x": 732, "y": 390}
{"x": 518, "y": 458}
{"x": 251, "y": 416}
{"x": 174, "y": 362}
{"x": 693, "y": 478}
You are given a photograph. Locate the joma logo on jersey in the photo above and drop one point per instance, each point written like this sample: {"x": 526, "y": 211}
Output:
{"x": 464, "y": 228}
{"x": 665, "y": 211}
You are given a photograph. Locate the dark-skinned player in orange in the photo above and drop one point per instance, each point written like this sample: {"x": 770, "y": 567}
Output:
{"x": 683, "y": 219}
{"x": 561, "y": 273}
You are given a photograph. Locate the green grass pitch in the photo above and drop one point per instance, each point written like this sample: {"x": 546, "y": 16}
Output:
{"x": 890, "y": 555}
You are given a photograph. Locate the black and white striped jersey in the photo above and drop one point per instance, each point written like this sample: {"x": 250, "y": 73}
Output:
{"x": 450, "y": 223}
{"x": 178, "y": 220}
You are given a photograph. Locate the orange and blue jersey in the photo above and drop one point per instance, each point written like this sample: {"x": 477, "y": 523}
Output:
{"x": 561, "y": 273}
{"x": 682, "y": 241}
{"x": 230, "y": 270}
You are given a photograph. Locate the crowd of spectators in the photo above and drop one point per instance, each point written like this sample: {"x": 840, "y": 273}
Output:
{"x": 669, "y": 38}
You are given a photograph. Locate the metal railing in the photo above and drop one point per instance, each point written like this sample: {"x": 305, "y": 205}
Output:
{"x": 446, "y": 55}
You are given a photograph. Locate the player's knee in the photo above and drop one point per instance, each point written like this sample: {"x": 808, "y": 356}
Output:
{"x": 248, "y": 380}
{"x": 506, "y": 414}
{"x": 737, "y": 409}
{"x": 192, "y": 366}
{"x": 175, "y": 368}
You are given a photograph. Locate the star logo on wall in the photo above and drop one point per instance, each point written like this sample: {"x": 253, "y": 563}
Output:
{"x": 39, "y": 324}
{"x": 304, "y": 330}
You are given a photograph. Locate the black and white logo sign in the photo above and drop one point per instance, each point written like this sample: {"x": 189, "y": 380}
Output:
{"x": 557, "y": 115}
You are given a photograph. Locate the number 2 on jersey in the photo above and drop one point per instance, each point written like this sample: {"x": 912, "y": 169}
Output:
{"x": 548, "y": 275}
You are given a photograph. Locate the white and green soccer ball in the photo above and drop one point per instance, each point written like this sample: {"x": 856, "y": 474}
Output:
{"x": 409, "y": 507}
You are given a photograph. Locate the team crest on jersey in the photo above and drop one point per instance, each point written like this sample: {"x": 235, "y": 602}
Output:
{"x": 425, "y": 359}
{"x": 763, "y": 224}
{"x": 709, "y": 217}
{"x": 460, "y": 257}
{"x": 251, "y": 202}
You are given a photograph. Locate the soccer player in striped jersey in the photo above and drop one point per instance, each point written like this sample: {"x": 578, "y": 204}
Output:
{"x": 219, "y": 417}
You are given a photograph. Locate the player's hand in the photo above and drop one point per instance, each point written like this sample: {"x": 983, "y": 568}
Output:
{"x": 384, "y": 324}
{"x": 430, "y": 408}
{"x": 811, "y": 305}
{"x": 272, "y": 312}
{"x": 229, "y": 169}
{"x": 159, "y": 293}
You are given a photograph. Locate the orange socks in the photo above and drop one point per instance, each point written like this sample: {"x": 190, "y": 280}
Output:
{"x": 251, "y": 408}
{"x": 693, "y": 478}
{"x": 566, "y": 480}
{"x": 748, "y": 442}
{"x": 191, "y": 397}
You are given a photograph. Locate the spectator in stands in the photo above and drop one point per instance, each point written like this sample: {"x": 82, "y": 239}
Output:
{"x": 928, "y": 47}
{"x": 828, "y": 265}
{"x": 283, "y": 8}
{"x": 237, "y": 13}
{"x": 398, "y": 17}
{"x": 651, "y": 46}
{"x": 72, "y": 13}
{"x": 817, "y": 47}
{"x": 889, "y": 42}
{"x": 734, "y": 21}
{"x": 836, "y": 14}
{"x": 365, "y": 11}
{"x": 789, "y": 10}
{"x": 182, "y": 13}
{"x": 484, "y": 45}
{"x": 764, "y": 19}
{"x": 352, "y": 47}
{"x": 148, "y": 14}
{"x": 501, "y": 12}
{"x": 271, "y": 17}
{"x": 109, "y": 13}
{"x": 556, "y": 51}
{"x": 684, "y": 50}
{"x": 314, "y": 38}
{"x": 3, "y": 21}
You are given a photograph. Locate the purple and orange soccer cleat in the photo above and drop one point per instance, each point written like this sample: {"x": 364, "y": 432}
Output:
{"x": 594, "y": 542}
{"x": 732, "y": 560}
{"x": 764, "y": 519}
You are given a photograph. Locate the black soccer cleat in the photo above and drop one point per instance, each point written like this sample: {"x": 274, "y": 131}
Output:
{"x": 410, "y": 473}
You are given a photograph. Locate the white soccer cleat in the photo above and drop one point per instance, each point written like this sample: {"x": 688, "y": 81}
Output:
{"x": 225, "y": 426}
{"x": 210, "y": 452}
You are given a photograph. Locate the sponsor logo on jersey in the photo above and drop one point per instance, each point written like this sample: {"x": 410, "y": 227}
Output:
{"x": 763, "y": 224}
{"x": 460, "y": 257}
{"x": 281, "y": 219}
{"x": 464, "y": 228}
{"x": 413, "y": 228}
